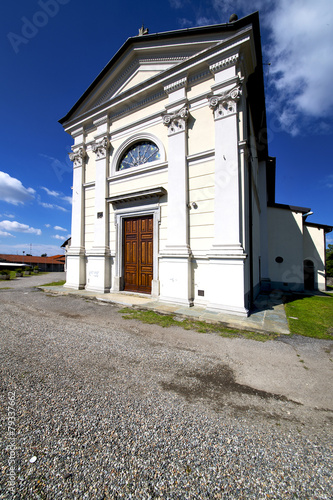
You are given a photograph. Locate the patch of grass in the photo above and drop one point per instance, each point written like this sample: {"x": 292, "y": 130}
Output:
{"x": 167, "y": 320}
{"x": 5, "y": 288}
{"x": 315, "y": 316}
{"x": 55, "y": 283}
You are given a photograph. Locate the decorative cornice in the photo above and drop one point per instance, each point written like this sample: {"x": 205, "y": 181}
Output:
{"x": 225, "y": 104}
{"x": 199, "y": 76}
{"x": 175, "y": 85}
{"x": 77, "y": 132}
{"x": 101, "y": 121}
{"x": 144, "y": 60}
{"x": 176, "y": 122}
{"x": 115, "y": 84}
{"x": 101, "y": 147}
{"x": 137, "y": 195}
{"x": 77, "y": 157}
{"x": 225, "y": 63}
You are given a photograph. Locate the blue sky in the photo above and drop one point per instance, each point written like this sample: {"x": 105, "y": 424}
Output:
{"x": 51, "y": 50}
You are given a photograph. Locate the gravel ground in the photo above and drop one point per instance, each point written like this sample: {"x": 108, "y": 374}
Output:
{"x": 98, "y": 407}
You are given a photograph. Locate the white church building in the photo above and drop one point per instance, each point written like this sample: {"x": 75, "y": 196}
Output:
{"x": 173, "y": 186}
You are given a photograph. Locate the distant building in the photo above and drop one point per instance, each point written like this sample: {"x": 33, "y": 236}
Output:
{"x": 173, "y": 187}
{"x": 51, "y": 264}
{"x": 66, "y": 246}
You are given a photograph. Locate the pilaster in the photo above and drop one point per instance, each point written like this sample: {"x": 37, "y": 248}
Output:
{"x": 227, "y": 255}
{"x": 175, "y": 263}
{"x": 75, "y": 277}
{"x": 99, "y": 259}
{"x": 228, "y": 220}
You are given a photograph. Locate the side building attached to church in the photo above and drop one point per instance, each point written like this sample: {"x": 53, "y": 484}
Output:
{"x": 173, "y": 186}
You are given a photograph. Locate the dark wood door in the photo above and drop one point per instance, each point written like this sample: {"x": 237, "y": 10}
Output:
{"x": 138, "y": 254}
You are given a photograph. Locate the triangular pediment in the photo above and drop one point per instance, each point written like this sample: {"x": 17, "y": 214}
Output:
{"x": 145, "y": 61}
{"x": 136, "y": 66}
{"x": 134, "y": 70}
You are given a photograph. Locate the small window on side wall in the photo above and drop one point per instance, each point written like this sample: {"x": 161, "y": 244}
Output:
{"x": 139, "y": 153}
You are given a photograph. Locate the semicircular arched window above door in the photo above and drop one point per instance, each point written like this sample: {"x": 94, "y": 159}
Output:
{"x": 139, "y": 153}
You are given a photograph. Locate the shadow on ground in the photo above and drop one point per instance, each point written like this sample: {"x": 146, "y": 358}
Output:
{"x": 267, "y": 300}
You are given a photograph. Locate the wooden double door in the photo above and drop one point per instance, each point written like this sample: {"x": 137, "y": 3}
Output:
{"x": 138, "y": 254}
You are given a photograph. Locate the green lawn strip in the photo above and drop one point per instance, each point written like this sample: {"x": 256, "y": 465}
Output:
{"x": 55, "y": 283}
{"x": 166, "y": 320}
{"x": 314, "y": 316}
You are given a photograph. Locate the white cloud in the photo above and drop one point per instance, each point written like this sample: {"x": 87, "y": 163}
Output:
{"x": 67, "y": 198}
{"x": 51, "y": 205}
{"x": 50, "y": 193}
{"x": 299, "y": 48}
{"x": 59, "y": 228}
{"x": 56, "y": 194}
{"x": 301, "y": 60}
{"x": 178, "y": 4}
{"x": 59, "y": 237}
{"x": 329, "y": 181}
{"x": 205, "y": 21}
{"x": 13, "y": 191}
{"x": 185, "y": 23}
{"x": 224, "y": 8}
{"x": 18, "y": 227}
{"x": 47, "y": 225}
{"x": 4, "y": 233}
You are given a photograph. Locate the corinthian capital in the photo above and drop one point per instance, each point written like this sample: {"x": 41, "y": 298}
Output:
{"x": 176, "y": 122}
{"x": 226, "y": 103}
{"x": 101, "y": 147}
{"x": 77, "y": 156}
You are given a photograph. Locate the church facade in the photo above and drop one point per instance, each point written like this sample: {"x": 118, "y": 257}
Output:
{"x": 173, "y": 187}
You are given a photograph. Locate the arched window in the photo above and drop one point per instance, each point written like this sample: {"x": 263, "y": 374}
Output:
{"x": 139, "y": 153}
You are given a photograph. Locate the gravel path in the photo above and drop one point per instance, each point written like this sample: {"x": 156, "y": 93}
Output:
{"x": 97, "y": 407}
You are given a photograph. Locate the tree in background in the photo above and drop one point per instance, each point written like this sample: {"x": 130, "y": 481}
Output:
{"x": 44, "y": 255}
{"x": 329, "y": 261}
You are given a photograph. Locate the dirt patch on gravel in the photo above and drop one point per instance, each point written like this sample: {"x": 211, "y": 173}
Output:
{"x": 214, "y": 384}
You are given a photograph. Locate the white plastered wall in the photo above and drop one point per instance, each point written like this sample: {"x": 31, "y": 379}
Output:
{"x": 89, "y": 217}
{"x": 255, "y": 229}
{"x": 314, "y": 250}
{"x": 201, "y": 223}
{"x": 199, "y": 88}
{"x": 138, "y": 183}
{"x": 285, "y": 240}
{"x": 138, "y": 114}
{"x": 201, "y": 130}
{"x": 201, "y": 201}
{"x": 90, "y": 167}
